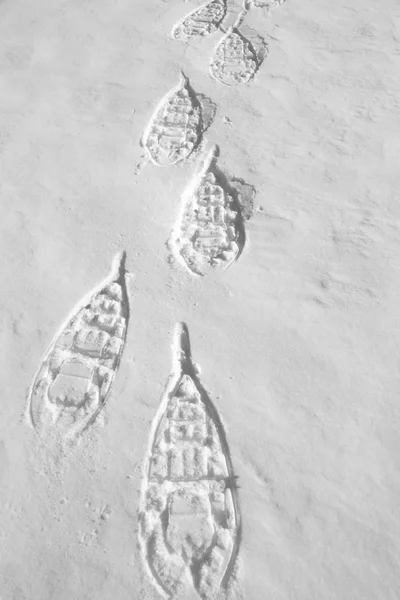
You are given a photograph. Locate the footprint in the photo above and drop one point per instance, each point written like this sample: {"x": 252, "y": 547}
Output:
{"x": 78, "y": 370}
{"x": 210, "y": 231}
{"x": 189, "y": 521}
{"x": 176, "y": 127}
{"x": 201, "y": 22}
{"x": 235, "y": 59}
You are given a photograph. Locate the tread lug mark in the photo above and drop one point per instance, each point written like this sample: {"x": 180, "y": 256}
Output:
{"x": 235, "y": 59}
{"x": 176, "y": 127}
{"x": 201, "y": 22}
{"x": 266, "y": 4}
{"x": 190, "y": 525}
{"x": 210, "y": 230}
{"x": 78, "y": 369}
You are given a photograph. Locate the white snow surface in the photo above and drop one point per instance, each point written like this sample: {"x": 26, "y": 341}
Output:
{"x": 297, "y": 341}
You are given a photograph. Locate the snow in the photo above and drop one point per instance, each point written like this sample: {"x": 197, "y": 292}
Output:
{"x": 297, "y": 342}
